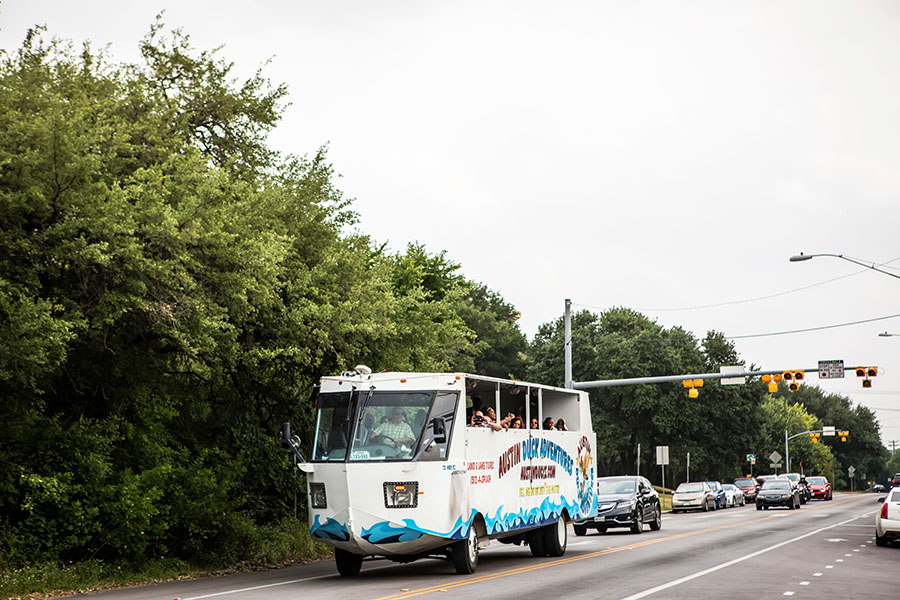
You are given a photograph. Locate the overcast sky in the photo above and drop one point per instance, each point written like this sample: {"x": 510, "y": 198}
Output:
{"x": 652, "y": 154}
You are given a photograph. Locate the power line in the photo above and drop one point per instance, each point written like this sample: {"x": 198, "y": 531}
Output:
{"x": 756, "y": 335}
{"x": 747, "y": 300}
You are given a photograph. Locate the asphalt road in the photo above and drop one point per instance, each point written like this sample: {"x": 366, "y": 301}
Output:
{"x": 823, "y": 549}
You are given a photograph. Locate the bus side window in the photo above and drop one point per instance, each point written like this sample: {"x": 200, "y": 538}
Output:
{"x": 444, "y": 408}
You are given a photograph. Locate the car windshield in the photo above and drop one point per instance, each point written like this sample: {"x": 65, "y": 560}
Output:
{"x": 815, "y": 481}
{"x": 387, "y": 425}
{"x": 727, "y": 487}
{"x": 615, "y": 486}
{"x": 792, "y": 476}
{"x": 713, "y": 484}
{"x": 689, "y": 487}
{"x": 775, "y": 484}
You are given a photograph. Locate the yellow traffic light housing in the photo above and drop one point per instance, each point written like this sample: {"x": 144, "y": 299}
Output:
{"x": 871, "y": 371}
{"x": 799, "y": 375}
{"x": 698, "y": 383}
{"x": 815, "y": 437}
{"x": 860, "y": 371}
{"x": 773, "y": 387}
{"x": 795, "y": 378}
{"x": 844, "y": 435}
{"x": 693, "y": 393}
{"x": 687, "y": 383}
{"x": 691, "y": 385}
{"x": 867, "y": 383}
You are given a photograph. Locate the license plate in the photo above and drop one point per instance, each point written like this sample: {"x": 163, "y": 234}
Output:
{"x": 599, "y": 519}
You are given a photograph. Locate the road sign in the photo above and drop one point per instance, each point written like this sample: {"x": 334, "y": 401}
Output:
{"x": 751, "y": 458}
{"x": 775, "y": 465}
{"x": 851, "y": 470}
{"x": 732, "y": 380}
{"x": 831, "y": 369}
{"x": 662, "y": 455}
{"x": 774, "y": 457}
{"x": 828, "y": 430}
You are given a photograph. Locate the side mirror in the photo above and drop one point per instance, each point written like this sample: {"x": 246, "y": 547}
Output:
{"x": 439, "y": 430}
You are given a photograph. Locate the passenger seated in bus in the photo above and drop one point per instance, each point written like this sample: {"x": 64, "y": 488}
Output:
{"x": 561, "y": 425}
{"x": 479, "y": 420}
{"x": 396, "y": 431}
{"x": 491, "y": 415}
{"x": 476, "y": 406}
{"x": 549, "y": 423}
{"x": 517, "y": 423}
{"x": 534, "y": 423}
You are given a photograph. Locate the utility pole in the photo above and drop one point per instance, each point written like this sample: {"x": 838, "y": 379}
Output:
{"x": 893, "y": 444}
{"x": 568, "y": 343}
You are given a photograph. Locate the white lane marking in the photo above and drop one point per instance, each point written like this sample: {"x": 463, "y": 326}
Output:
{"x": 735, "y": 561}
{"x": 839, "y": 560}
{"x": 829, "y": 566}
{"x": 789, "y": 593}
{"x": 268, "y": 585}
{"x": 804, "y": 583}
{"x": 817, "y": 574}
{"x": 848, "y": 555}
{"x": 856, "y": 549}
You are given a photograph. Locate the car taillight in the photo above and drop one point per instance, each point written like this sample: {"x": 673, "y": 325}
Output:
{"x": 884, "y": 511}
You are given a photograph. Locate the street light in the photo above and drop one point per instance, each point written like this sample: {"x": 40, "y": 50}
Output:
{"x": 886, "y": 334}
{"x": 801, "y": 257}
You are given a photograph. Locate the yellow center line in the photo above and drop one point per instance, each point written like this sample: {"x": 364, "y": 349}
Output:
{"x": 563, "y": 561}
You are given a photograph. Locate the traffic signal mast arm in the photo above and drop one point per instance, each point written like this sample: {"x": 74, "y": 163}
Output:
{"x": 585, "y": 385}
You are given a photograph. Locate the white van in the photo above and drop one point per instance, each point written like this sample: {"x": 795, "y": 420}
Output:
{"x": 397, "y": 473}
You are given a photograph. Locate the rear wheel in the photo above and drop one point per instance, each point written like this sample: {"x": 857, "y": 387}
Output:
{"x": 656, "y": 523}
{"x": 536, "y": 543}
{"x": 579, "y": 530}
{"x": 555, "y": 537}
{"x": 759, "y": 507}
{"x": 601, "y": 529}
{"x": 348, "y": 564}
{"x": 880, "y": 540}
{"x": 465, "y": 553}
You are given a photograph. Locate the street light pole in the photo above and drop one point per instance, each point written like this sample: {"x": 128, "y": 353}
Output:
{"x": 801, "y": 257}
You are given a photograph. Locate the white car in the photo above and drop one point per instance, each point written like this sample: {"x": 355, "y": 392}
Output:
{"x": 887, "y": 521}
{"x": 733, "y": 495}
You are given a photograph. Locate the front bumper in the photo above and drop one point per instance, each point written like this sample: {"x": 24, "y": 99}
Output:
{"x": 688, "y": 504}
{"x": 764, "y": 501}
{"x": 618, "y": 516}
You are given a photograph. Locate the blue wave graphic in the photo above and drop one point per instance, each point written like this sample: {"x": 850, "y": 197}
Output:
{"x": 330, "y": 530}
{"x": 385, "y": 533}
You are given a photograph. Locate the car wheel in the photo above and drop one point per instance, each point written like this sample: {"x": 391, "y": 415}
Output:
{"x": 759, "y": 507}
{"x": 706, "y": 506}
{"x": 348, "y": 564}
{"x": 465, "y": 553}
{"x": 880, "y": 540}
{"x": 555, "y": 537}
{"x": 638, "y": 525}
{"x": 579, "y": 530}
{"x": 656, "y": 524}
{"x": 601, "y": 529}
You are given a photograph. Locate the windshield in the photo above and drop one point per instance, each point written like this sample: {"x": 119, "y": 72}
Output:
{"x": 792, "y": 476}
{"x": 690, "y": 487}
{"x": 615, "y": 486}
{"x": 388, "y": 425}
{"x": 744, "y": 483}
{"x": 815, "y": 481}
{"x": 773, "y": 484}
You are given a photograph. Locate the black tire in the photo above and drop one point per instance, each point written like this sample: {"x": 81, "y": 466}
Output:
{"x": 555, "y": 537}
{"x": 759, "y": 507}
{"x": 535, "y": 541}
{"x": 348, "y": 564}
{"x": 637, "y": 525}
{"x": 706, "y": 506}
{"x": 465, "y": 553}
{"x": 675, "y": 511}
{"x": 880, "y": 540}
{"x": 601, "y": 529}
{"x": 656, "y": 523}
{"x": 579, "y": 530}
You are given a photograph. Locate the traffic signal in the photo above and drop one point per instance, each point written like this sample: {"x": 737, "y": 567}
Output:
{"x": 815, "y": 437}
{"x": 843, "y": 435}
{"x": 692, "y": 385}
{"x": 794, "y": 379}
{"x": 867, "y": 373}
{"x": 773, "y": 387}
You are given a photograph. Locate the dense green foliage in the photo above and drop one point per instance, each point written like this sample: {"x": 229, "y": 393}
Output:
{"x": 173, "y": 288}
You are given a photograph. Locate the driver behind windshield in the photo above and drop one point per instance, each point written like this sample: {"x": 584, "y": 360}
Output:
{"x": 397, "y": 429}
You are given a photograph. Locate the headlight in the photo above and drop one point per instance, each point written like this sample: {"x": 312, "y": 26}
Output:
{"x": 317, "y": 495}
{"x": 628, "y": 503}
{"x": 401, "y": 494}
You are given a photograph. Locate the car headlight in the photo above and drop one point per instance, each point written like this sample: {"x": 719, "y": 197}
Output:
{"x": 401, "y": 494}
{"x": 626, "y": 503}
{"x": 317, "y": 495}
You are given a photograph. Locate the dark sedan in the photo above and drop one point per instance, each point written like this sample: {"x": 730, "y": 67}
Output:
{"x": 628, "y": 501}
{"x": 778, "y": 492}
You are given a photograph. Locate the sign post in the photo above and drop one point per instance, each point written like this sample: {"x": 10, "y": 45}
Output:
{"x": 851, "y": 471}
{"x": 662, "y": 459}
